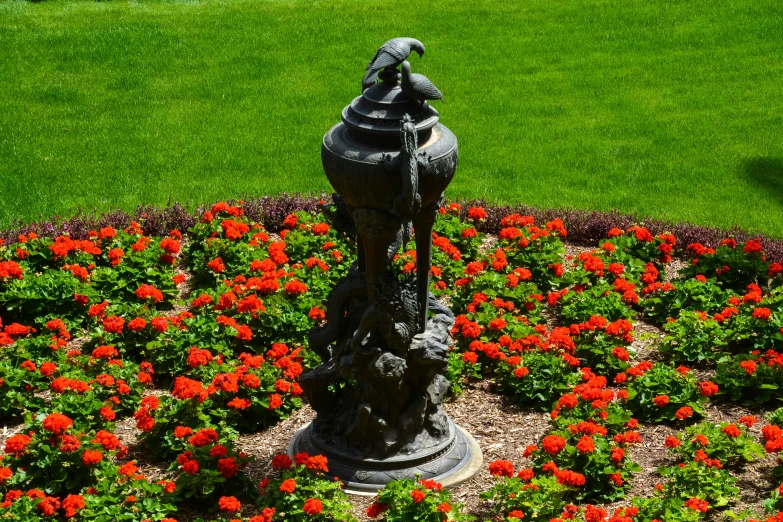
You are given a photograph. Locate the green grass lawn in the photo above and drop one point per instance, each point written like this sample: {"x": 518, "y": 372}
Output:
{"x": 664, "y": 108}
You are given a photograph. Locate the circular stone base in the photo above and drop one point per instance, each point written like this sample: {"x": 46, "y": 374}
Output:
{"x": 454, "y": 462}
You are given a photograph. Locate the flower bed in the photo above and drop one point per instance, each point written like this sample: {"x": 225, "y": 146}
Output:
{"x": 200, "y": 335}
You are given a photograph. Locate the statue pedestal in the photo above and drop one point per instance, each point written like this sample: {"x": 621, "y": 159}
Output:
{"x": 450, "y": 463}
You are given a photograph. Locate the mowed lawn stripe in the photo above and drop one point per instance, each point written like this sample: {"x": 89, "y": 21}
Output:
{"x": 664, "y": 108}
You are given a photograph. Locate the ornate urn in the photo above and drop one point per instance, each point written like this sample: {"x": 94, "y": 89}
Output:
{"x": 379, "y": 392}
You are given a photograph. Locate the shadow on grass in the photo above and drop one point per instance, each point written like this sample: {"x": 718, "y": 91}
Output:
{"x": 766, "y": 173}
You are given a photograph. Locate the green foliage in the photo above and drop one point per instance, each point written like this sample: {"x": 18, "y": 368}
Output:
{"x": 775, "y": 501}
{"x": 617, "y": 418}
{"x": 543, "y": 502}
{"x": 547, "y": 377}
{"x": 636, "y": 247}
{"x": 15, "y": 397}
{"x": 114, "y": 497}
{"x": 226, "y": 234}
{"x": 109, "y": 502}
{"x": 602, "y": 462}
{"x": 492, "y": 284}
{"x": 48, "y": 295}
{"x": 56, "y": 459}
{"x": 461, "y": 371}
{"x": 120, "y": 283}
{"x": 166, "y": 344}
{"x": 726, "y": 442}
{"x": 776, "y": 417}
{"x": 305, "y": 481}
{"x": 671, "y": 509}
{"x": 601, "y": 299}
{"x": 420, "y": 500}
{"x": 537, "y": 249}
{"x": 602, "y": 353}
{"x": 693, "y": 337}
{"x": 159, "y": 438}
{"x": 462, "y": 234}
{"x": 662, "y": 380}
{"x": 210, "y": 466}
{"x": 696, "y": 480}
{"x": 92, "y": 391}
{"x": 744, "y": 267}
{"x": 684, "y": 294}
{"x": 751, "y": 378}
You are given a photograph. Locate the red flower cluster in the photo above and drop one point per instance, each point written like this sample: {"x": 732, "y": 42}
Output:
{"x": 315, "y": 462}
{"x": 149, "y": 292}
{"x": 553, "y": 444}
{"x": 57, "y": 423}
{"x": 10, "y": 270}
{"x": 501, "y": 468}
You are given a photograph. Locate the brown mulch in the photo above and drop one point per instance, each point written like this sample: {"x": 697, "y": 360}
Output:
{"x": 673, "y": 268}
{"x": 650, "y": 455}
{"x": 501, "y": 428}
{"x": 572, "y": 252}
{"x": 488, "y": 243}
{"x": 645, "y": 342}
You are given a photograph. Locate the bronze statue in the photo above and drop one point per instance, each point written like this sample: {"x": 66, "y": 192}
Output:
{"x": 378, "y": 393}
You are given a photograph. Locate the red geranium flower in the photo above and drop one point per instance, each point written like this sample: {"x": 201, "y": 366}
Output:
{"x": 683, "y": 413}
{"x": 49, "y": 506}
{"x": 661, "y": 400}
{"x": 227, "y": 467}
{"x": 230, "y": 504}
{"x": 288, "y": 486}
{"x": 275, "y": 401}
{"x": 762, "y": 314}
{"x": 72, "y": 504}
{"x": 216, "y": 265}
{"x": 708, "y": 388}
{"x": 553, "y": 444}
{"x": 375, "y": 509}
{"x": 586, "y": 444}
{"x": 477, "y": 213}
{"x": 501, "y": 468}
{"x": 281, "y": 461}
{"x": 57, "y": 423}
{"x": 312, "y": 506}
{"x": 570, "y": 478}
{"x": 149, "y": 292}
{"x": 418, "y": 495}
{"x": 697, "y": 504}
{"x": 203, "y": 437}
{"x": 91, "y": 457}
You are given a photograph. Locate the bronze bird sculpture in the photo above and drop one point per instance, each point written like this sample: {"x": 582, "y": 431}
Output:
{"x": 417, "y": 86}
{"x": 391, "y": 54}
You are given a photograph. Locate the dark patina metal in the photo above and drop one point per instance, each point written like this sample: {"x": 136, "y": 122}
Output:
{"x": 379, "y": 392}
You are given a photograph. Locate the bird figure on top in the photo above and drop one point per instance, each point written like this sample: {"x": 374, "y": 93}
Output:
{"x": 418, "y": 87}
{"x": 390, "y": 55}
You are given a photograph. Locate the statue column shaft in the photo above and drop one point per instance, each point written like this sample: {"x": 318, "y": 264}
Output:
{"x": 423, "y": 223}
{"x": 376, "y": 230}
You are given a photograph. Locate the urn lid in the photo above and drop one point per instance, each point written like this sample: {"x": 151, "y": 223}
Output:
{"x": 375, "y": 116}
